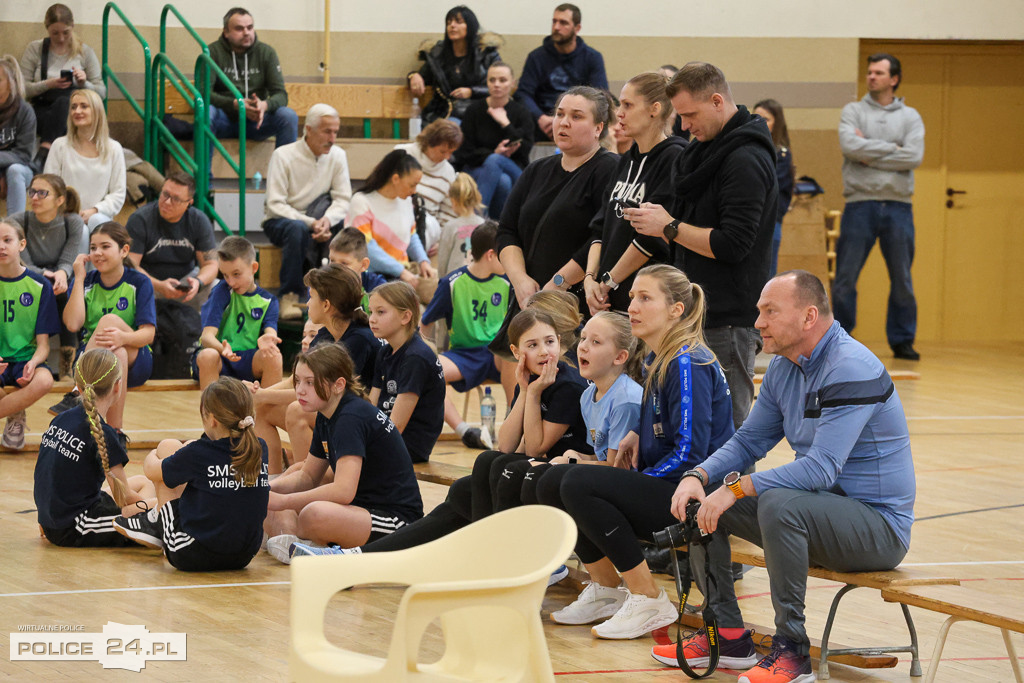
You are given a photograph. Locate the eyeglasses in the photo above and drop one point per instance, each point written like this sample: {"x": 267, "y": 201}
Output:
{"x": 33, "y": 193}
{"x": 164, "y": 197}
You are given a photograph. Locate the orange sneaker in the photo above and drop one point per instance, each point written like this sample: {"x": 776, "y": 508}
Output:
{"x": 782, "y": 665}
{"x": 735, "y": 653}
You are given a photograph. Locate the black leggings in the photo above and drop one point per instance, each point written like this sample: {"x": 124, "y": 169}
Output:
{"x": 469, "y": 499}
{"x": 613, "y": 508}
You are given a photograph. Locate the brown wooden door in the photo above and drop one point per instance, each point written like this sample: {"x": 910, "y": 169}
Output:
{"x": 969, "y": 256}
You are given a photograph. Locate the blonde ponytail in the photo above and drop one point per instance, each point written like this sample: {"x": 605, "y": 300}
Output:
{"x": 97, "y": 372}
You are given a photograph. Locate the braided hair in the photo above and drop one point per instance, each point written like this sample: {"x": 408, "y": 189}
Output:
{"x": 96, "y": 374}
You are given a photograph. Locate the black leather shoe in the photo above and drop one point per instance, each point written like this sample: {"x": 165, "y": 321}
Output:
{"x": 905, "y": 350}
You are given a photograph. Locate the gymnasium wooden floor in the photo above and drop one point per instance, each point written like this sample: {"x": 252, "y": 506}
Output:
{"x": 966, "y": 417}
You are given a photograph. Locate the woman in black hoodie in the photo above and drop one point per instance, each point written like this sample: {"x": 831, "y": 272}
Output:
{"x": 456, "y": 67}
{"x": 617, "y": 251}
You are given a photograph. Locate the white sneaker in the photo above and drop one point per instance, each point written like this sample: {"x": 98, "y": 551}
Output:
{"x": 594, "y": 603}
{"x": 558, "y": 575}
{"x": 638, "y": 615}
{"x": 14, "y": 431}
{"x": 289, "y": 307}
{"x": 278, "y": 546}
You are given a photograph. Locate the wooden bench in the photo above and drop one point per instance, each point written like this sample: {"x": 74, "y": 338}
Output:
{"x": 964, "y": 604}
{"x": 440, "y": 472}
{"x": 64, "y": 386}
{"x": 745, "y": 552}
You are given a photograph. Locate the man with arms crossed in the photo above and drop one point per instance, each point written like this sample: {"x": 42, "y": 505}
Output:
{"x": 883, "y": 142}
{"x": 846, "y": 503}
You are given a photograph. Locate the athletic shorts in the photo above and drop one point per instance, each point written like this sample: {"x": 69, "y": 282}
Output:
{"x": 139, "y": 372}
{"x": 10, "y": 376}
{"x": 189, "y": 555}
{"x": 476, "y": 365}
{"x": 240, "y": 369}
{"x": 384, "y": 522}
{"x": 93, "y": 528}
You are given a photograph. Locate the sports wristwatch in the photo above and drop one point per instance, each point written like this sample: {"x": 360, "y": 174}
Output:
{"x": 671, "y": 230}
{"x": 732, "y": 480}
{"x": 606, "y": 279}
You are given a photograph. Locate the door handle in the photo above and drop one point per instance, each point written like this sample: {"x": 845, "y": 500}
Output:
{"x": 950, "y": 192}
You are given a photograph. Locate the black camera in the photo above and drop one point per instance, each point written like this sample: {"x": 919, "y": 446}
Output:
{"x": 686, "y": 532}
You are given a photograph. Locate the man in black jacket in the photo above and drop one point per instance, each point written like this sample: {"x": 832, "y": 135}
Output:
{"x": 720, "y": 217}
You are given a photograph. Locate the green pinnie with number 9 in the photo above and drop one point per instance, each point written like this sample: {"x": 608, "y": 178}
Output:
{"x": 239, "y": 322}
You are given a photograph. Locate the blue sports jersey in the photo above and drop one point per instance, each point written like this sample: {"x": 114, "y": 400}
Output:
{"x": 215, "y": 509}
{"x": 685, "y": 417}
{"x": 473, "y": 308}
{"x": 361, "y": 345}
{"x": 240, "y": 319}
{"x": 560, "y": 404}
{"x": 614, "y": 415}
{"x": 68, "y": 473}
{"x": 414, "y": 368}
{"x": 387, "y": 481}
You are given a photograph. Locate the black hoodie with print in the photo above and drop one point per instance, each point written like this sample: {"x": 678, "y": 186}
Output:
{"x": 637, "y": 177}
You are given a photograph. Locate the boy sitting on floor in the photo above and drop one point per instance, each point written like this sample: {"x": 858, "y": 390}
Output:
{"x": 239, "y": 322}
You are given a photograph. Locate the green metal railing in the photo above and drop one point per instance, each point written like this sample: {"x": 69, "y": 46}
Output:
{"x": 145, "y": 111}
{"x": 160, "y": 70}
{"x": 204, "y": 141}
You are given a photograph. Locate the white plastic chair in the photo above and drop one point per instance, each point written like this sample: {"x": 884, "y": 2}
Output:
{"x": 485, "y": 582}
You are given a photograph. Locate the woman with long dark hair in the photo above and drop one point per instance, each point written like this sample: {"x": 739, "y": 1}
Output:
{"x": 456, "y": 66}
{"x": 383, "y": 211}
{"x": 771, "y": 111}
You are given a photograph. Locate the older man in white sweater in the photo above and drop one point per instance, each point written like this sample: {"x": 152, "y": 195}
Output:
{"x": 296, "y": 218}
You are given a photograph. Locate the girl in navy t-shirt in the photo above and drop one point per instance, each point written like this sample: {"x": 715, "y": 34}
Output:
{"x": 77, "y": 454}
{"x": 409, "y": 382}
{"x": 212, "y": 491}
{"x": 335, "y": 303}
{"x": 374, "y": 489}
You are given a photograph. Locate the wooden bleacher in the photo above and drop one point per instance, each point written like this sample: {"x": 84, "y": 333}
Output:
{"x": 375, "y": 103}
{"x": 64, "y": 386}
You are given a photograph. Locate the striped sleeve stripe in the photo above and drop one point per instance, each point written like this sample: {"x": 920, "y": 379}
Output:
{"x": 859, "y": 393}
{"x": 174, "y": 539}
{"x": 684, "y": 437}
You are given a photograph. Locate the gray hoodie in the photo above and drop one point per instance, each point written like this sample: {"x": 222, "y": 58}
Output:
{"x": 880, "y": 166}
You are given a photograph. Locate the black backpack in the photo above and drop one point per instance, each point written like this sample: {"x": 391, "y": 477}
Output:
{"x": 178, "y": 328}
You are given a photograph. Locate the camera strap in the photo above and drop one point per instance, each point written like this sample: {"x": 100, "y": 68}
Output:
{"x": 684, "y": 581}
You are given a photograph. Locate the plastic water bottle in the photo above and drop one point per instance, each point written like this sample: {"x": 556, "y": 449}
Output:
{"x": 414, "y": 119}
{"x": 257, "y": 179}
{"x": 488, "y": 411}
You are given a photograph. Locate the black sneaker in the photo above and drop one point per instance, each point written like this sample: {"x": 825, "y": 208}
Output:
{"x": 143, "y": 528}
{"x": 70, "y": 400}
{"x": 905, "y": 350}
{"x": 471, "y": 439}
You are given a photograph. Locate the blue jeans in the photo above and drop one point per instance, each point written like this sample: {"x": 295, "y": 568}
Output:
{"x": 495, "y": 179}
{"x": 19, "y": 176}
{"x": 776, "y": 242}
{"x": 293, "y": 237}
{"x": 281, "y": 124}
{"x": 892, "y": 224}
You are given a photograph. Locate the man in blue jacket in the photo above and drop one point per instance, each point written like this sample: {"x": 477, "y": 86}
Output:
{"x": 846, "y": 502}
{"x": 563, "y": 61}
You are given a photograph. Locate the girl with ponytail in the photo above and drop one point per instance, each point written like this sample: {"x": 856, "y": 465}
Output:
{"x": 77, "y": 454}
{"x": 212, "y": 492}
{"x": 686, "y": 414}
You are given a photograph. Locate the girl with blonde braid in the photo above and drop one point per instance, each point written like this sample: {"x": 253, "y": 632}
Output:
{"x": 78, "y": 452}
{"x": 212, "y": 492}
